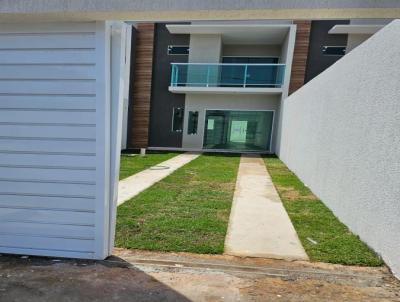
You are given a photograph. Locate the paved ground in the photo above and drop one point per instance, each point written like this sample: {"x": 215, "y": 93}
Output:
{"x": 133, "y": 185}
{"x": 147, "y": 276}
{"x": 259, "y": 225}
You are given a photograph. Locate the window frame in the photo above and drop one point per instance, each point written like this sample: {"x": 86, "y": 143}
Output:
{"x": 325, "y": 47}
{"x": 173, "y": 119}
{"x": 169, "y": 47}
{"x": 195, "y": 122}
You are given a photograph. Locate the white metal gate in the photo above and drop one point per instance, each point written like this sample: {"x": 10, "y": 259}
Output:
{"x": 60, "y": 110}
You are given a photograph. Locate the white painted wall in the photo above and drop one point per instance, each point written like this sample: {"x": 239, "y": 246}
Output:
{"x": 353, "y": 40}
{"x": 127, "y": 77}
{"x": 121, "y": 34}
{"x": 252, "y": 50}
{"x": 341, "y": 136}
{"x": 55, "y": 132}
{"x": 205, "y": 48}
{"x": 286, "y": 57}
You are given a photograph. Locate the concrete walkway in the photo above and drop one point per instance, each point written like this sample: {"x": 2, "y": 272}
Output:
{"x": 133, "y": 185}
{"x": 259, "y": 225}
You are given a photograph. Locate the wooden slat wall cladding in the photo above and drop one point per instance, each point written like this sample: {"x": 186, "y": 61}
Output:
{"x": 300, "y": 54}
{"x": 139, "y": 116}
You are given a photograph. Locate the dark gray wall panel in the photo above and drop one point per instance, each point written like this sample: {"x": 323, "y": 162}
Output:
{"x": 317, "y": 62}
{"x": 163, "y": 101}
{"x": 129, "y": 142}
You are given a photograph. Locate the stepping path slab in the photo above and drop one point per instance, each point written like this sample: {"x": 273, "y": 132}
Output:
{"x": 259, "y": 225}
{"x": 133, "y": 185}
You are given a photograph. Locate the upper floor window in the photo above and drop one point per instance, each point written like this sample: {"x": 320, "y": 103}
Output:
{"x": 334, "y": 50}
{"x": 178, "y": 50}
{"x": 250, "y": 71}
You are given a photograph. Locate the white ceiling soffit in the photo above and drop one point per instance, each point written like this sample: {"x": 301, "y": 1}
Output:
{"x": 237, "y": 34}
{"x": 355, "y": 29}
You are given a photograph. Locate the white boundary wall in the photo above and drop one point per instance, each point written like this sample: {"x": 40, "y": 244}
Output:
{"x": 57, "y": 163}
{"x": 341, "y": 136}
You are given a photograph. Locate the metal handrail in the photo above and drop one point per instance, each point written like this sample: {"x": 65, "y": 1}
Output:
{"x": 212, "y": 75}
{"x": 238, "y": 64}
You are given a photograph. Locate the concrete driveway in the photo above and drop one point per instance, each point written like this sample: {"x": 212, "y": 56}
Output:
{"x": 147, "y": 276}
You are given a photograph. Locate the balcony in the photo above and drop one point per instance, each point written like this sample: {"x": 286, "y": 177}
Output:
{"x": 226, "y": 78}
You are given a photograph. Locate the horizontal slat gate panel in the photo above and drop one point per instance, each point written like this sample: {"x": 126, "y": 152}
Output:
{"x": 46, "y": 160}
{"x": 38, "y": 27}
{"x": 46, "y": 40}
{"x": 47, "y": 216}
{"x": 47, "y": 102}
{"x": 18, "y": 228}
{"x": 47, "y": 252}
{"x": 48, "y": 146}
{"x": 41, "y": 145}
{"x": 47, "y": 174}
{"x": 45, "y": 56}
{"x": 85, "y": 72}
{"x": 65, "y": 87}
{"x": 47, "y": 189}
{"x": 41, "y": 117}
{"x": 44, "y": 202}
{"x": 47, "y": 131}
{"x": 76, "y": 245}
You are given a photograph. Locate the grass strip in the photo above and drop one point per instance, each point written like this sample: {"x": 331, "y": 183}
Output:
{"x": 188, "y": 211}
{"x": 132, "y": 164}
{"x": 323, "y": 236}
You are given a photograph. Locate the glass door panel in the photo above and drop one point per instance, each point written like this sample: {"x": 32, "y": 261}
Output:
{"x": 256, "y": 75}
{"x": 238, "y": 130}
{"x": 215, "y": 131}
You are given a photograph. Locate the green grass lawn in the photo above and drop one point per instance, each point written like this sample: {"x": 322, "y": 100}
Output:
{"x": 187, "y": 211}
{"x": 134, "y": 164}
{"x": 312, "y": 219}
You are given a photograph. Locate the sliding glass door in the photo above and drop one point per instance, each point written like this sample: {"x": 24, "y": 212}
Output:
{"x": 238, "y": 130}
{"x": 254, "y": 69}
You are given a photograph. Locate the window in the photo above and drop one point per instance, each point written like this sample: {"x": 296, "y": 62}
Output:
{"x": 256, "y": 76}
{"x": 177, "y": 119}
{"x": 193, "y": 121}
{"x": 334, "y": 50}
{"x": 178, "y": 50}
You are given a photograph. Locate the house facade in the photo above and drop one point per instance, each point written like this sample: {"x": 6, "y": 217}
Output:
{"x": 220, "y": 85}
{"x": 206, "y": 75}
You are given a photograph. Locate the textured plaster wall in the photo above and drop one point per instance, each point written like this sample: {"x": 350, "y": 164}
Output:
{"x": 341, "y": 136}
{"x": 121, "y": 5}
{"x": 161, "y": 10}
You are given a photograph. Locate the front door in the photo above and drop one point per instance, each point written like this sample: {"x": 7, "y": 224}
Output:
{"x": 238, "y": 130}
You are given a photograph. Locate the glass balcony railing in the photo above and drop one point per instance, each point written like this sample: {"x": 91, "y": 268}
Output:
{"x": 227, "y": 75}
